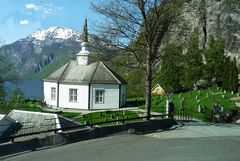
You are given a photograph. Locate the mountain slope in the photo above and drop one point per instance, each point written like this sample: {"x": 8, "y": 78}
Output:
{"x": 40, "y": 48}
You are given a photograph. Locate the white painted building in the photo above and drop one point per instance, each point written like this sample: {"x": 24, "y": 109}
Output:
{"x": 80, "y": 85}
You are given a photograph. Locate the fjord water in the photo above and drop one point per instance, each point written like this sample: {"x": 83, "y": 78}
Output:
{"x": 31, "y": 88}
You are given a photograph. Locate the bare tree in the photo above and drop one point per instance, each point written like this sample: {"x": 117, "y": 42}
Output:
{"x": 138, "y": 27}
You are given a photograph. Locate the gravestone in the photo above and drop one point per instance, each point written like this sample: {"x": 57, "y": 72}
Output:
{"x": 199, "y": 108}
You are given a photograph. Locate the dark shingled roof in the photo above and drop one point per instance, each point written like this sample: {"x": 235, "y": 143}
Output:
{"x": 96, "y": 72}
{"x": 37, "y": 121}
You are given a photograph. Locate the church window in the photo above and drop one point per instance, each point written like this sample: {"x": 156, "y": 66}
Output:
{"x": 99, "y": 96}
{"x": 73, "y": 95}
{"x": 53, "y": 93}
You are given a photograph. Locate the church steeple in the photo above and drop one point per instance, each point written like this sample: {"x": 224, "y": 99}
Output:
{"x": 85, "y": 32}
{"x": 82, "y": 56}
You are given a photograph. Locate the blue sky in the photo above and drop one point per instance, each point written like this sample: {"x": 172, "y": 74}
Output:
{"x": 19, "y": 18}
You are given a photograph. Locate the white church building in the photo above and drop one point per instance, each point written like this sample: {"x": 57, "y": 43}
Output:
{"x": 80, "y": 85}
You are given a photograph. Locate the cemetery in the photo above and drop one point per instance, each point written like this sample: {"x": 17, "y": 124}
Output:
{"x": 196, "y": 104}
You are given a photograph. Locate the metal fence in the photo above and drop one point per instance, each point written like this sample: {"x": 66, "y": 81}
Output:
{"x": 25, "y": 129}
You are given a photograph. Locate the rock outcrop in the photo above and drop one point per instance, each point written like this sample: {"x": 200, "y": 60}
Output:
{"x": 211, "y": 17}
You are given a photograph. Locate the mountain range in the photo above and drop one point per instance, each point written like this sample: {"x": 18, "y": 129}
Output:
{"x": 40, "y": 48}
{"x": 210, "y": 17}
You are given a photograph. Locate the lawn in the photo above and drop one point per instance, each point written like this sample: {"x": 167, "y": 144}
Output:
{"x": 95, "y": 117}
{"x": 191, "y": 101}
{"x": 103, "y": 117}
{"x": 35, "y": 106}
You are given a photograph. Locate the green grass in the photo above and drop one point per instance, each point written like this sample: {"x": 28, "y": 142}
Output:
{"x": 96, "y": 117}
{"x": 70, "y": 115}
{"x": 29, "y": 106}
{"x": 35, "y": 106}
{"x": 106, "y": 116}
{"x": 207, "y": 98}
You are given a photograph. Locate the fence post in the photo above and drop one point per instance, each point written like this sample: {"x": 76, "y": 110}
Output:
{"x": 12, "y": 134}
{"x": 91, "y": 120}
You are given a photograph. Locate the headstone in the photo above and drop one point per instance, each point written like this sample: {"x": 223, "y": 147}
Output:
{"x": 199, "y": 108}
{"x": 167, "y": 106}
{"x": 221, "y": 109}
{"x": 232, "y": 92}
{"x": 198, "y": 101}
{"x": 118, "y": 122}
{"x": 223, "y": 96}
{"x": 237, "y": 94}
{"x": 179, "y": 96}
{"x": 86, "y": 122}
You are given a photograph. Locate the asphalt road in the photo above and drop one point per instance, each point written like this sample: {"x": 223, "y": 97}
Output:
{"x": 141, "y": 148}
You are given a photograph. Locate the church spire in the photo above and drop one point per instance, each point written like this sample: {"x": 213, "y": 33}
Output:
{"x": 85, "y": 32}
{"x": 82, "y": 56}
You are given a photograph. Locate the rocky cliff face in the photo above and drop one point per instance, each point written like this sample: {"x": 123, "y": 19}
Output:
{"x": 211, "y": 17}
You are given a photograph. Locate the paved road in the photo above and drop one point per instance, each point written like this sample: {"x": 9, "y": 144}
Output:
{"x": 181, "y": 144}
{"x": 199, "y": 129}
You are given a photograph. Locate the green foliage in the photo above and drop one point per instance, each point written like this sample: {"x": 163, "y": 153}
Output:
{"x": 207, "y": 98}
{"x": 171, "y": 68}
{"x": 192, "y": 63}
{"x": 214, "y": 57}
{"x": 230, "y": 75}
{"x": 133, "y": 75}
{"x": 234, "y": 76}
{"x": 70, "y": 114}
{"x": 16, "y": 98}
{"x": 227, "y": 68}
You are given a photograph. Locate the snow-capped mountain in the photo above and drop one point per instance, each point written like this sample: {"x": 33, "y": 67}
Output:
{"x": 41, "y": 48}
{"x": 54, "y": 33}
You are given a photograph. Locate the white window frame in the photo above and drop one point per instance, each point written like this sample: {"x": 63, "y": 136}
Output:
{"x": 53, "y": 93}
{"x": 73, "y": 95}
{"x": 99, "y": 96}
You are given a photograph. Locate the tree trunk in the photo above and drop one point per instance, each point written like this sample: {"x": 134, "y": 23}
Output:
{"x": 148, "y": 89}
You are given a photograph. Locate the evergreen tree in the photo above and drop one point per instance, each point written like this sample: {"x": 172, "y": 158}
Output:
{"x": 234, "y": 76}
{"x": 227, "y": 68}
{"x": 171, "y": 68}
{"x": 214, "y": 57}
{"x": 230, "y": 75}
{"x": 192, "y": 63}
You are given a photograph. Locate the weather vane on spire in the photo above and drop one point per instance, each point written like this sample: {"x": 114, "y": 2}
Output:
{"x": 85, "y": 32}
